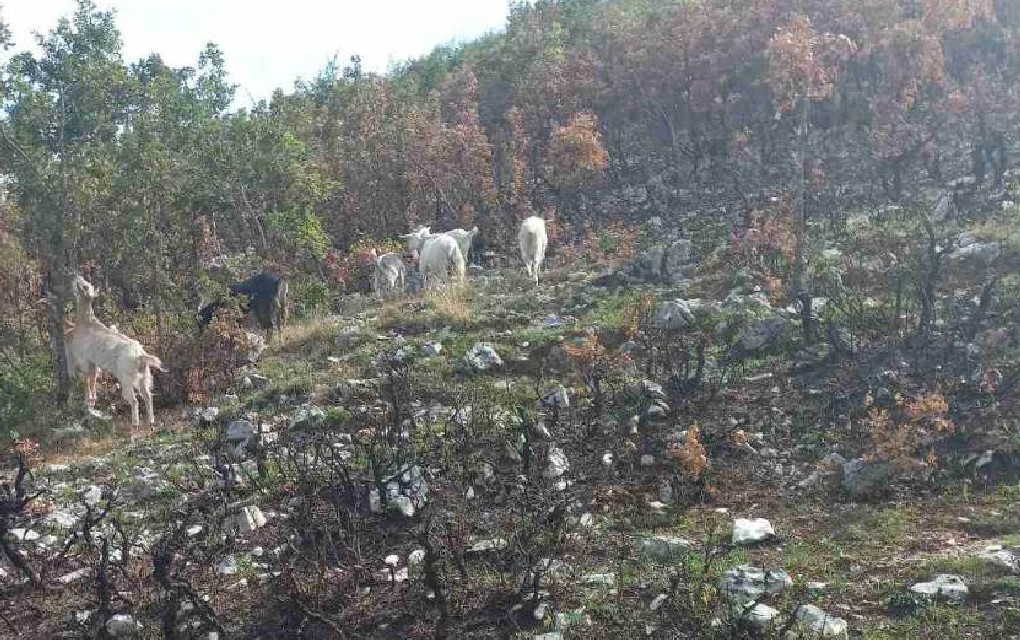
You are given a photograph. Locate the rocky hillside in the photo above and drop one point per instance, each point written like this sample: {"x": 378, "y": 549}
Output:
{"x": 641, "y": 446}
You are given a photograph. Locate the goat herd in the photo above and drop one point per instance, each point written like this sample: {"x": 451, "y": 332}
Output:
{"x": 91, "y": 346}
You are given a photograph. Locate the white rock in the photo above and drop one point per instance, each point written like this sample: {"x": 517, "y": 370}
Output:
{"x": 540, "y": 611}
{"x": 557, "y": 398}
{"x": 761, "y": 615}
{"x": 752, "y": 531}
{"x": 122, "y": 625}
{"x": 392, "y": 560}
{"x": 403, "y": 506}
{"x": 1000, "y": 557}
{"x": 488, "y": 544}
{"x": 249, "y": 519}
{"x": 820, "y": 624}
{"x": 600, "y": 579}
{"x": 745, "y": 584}
{"x": 658, "y": 601}
{"x": 74, "y": 576}
{"x": 647, "y": 460}
{"x": 92, "y": 495}
{"x": 663, "y": 547}
{"x": 25, "y": 535}
{"x": 945, "y": 586}
{"x": 416, "y": 557}
{"x": 552, "y": 635}
{"x": 558, "y": 463}
{"x": 228, "y": 566}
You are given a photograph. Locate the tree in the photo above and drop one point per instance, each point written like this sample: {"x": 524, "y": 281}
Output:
{"x": 802, "y": 68}
{"x": 64, "y": 110}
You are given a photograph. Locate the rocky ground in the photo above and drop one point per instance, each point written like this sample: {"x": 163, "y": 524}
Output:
{"x": 477, "y": 460}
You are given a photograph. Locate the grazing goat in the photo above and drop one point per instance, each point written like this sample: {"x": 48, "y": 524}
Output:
{"x": 441, "y": 256}
{"x": 465, "y": 240}
{"x": 533, "y": 242}
{"x": 267, "y": 300}
{"x": 90, "y": 346}
{"x": 389, "y": 274}
{"x": 416, "y": 239}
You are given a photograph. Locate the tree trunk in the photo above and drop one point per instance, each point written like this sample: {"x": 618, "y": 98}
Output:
{"x": 800, "y": 228}
{"x": 55, "y": 326}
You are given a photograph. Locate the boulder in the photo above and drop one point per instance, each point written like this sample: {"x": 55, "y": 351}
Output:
{"x": 862, "y": 478}
{"x": 558, "y": 463}
{"x": 946, "y": 587}
{"x": 663, "y": 547}
{"x": 745, "y": 584}
{"x": 753, "y": 531}
{"x": 819, "y": 624}
{"x": 122, "y": 626}
{"x": 673, "y": 315}
{"x": 482, "y": 357}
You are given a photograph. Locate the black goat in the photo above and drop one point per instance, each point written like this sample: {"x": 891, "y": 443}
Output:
{"x": 266, "y": 297}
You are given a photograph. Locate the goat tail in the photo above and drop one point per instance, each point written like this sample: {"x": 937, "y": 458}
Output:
{"x": 150, "y": 362}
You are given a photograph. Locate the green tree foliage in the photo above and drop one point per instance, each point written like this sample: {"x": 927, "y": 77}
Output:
{"x": 144, "y": 174}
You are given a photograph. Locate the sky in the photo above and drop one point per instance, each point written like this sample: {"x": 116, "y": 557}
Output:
{"x": 270, "y": 43}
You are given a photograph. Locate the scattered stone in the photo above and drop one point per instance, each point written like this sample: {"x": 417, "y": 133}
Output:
{"x": 759, "y": 333}
{"x": 673, "y": 315}
{"x": 239, "y": 435}
{"x": 652, "y": 390}
{"x": 121, "y": 625}
{"x": 483, "y": 357}
{"x": 487, "y": 544}
{"x": 746, "y": 532}
{"x": 402, "y": 505}
{"x": 207, "y": 415}
{"x": 746, "y": 584}
{"x": 950, "y": 588}
{"x": 556, "y": 399}
{"x": 761, "y": 616}
{"x": 828, "y": 473}
{"x": 558, "y": 463}
{"x": 552, "y": 321}
{"x": 600, "y": 579}
{"x": 647, "y": 460}
{"x": 432, "y": 348}
{"x": 820, "y": 624}
{"x": 228, "y": 566}
{"x": 656, "y": 414}
{"x": 552, "y": 635}
{"x": 74, "y": 576}
{"x": 249, "y": 519}
{"x": 92, "y": 495}
{"x": 1004, "y": 558}
{"x": 862, "y": 478}
{"x": 664, "y": 548}
{"x": 658, "y": 601}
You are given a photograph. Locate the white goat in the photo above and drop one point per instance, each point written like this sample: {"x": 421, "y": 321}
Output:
{"x": 389, "y": 274}
{"x": 464, "y": 239}
{"x": 533, "y": 242}
{"x": 416, "y": 239}
{"x": 92, "y": 346}
{"x": 441, "y": 256}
